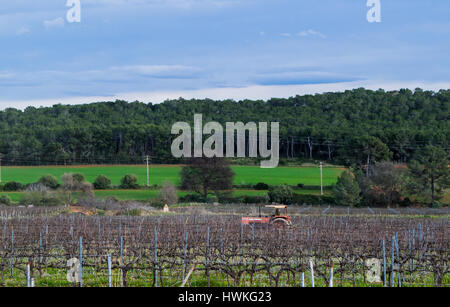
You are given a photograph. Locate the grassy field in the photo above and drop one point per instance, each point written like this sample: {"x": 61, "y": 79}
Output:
{"x": 160, "y": 173}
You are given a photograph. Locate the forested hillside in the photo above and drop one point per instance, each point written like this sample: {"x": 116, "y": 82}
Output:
{"x": 343, "y": 127}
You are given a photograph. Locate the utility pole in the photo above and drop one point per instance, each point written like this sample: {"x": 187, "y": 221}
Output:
{"x": 0, "y": 168}
{"x": 321, "y": 185}
{"x": 148, "y": 173}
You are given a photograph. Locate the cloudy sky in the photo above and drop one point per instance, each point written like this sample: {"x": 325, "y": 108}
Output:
{"x": 152, "y": 50}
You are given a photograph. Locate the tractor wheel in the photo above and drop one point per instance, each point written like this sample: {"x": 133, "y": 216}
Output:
{"x": 280, "y": 223}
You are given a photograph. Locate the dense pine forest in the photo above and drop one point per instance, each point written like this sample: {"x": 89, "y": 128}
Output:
{"x": 345, "y": 128}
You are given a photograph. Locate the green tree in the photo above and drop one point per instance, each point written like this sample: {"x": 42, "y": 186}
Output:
{"x": 429, "y": 169}
{"x": 347, "y": 191}
{"x": 202, "y": 175}
{"x": 386, "y": 184}
{"x": 102, "y": 183}
{"x": 129, "y": 181}
{"x": 281, "y": 194}
{"x": 78, "y": 177}
{"x": 49, "y": 181}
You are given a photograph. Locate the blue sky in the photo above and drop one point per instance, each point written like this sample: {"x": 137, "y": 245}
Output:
{"x": 152, "y": 50}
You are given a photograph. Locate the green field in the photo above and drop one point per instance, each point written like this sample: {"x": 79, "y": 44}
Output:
{"x": 158, "y": 174}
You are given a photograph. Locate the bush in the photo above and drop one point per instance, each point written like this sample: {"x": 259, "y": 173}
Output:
{"x": 156, "y": 203}
{"x": 300, "y": 185}
{"x": 102, "y": 183}
{"x": 5, "y": 200}
{"x": 261, "y": 186}
{"x": 41, "y": 199}
{"x": 31, "y": 198}
{"x": 78, "y": 177}
{"x": 49, "y": 181}
{"x": 129, "y": 181}
{"x": 50, "y": 200}
{"x": 281, "y": 194}
{"x": 12, "y": 186}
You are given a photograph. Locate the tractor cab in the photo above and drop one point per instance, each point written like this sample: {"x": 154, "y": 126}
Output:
{"x": 280, "y": 216}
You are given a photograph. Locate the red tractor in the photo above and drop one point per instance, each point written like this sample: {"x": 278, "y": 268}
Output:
{"x": 277, "y": 219}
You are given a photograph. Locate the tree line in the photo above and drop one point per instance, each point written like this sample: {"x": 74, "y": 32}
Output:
{"x": 355, "y": 127}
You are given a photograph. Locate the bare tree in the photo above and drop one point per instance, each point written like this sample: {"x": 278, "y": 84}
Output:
{"x": 168, "y": 193}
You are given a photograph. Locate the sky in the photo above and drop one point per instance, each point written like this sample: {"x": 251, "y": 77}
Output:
{"x": 153, "y": 50}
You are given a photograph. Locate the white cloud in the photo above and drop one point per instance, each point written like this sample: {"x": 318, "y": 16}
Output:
{"x": 58, "y": 22}
{"x": 311, "y": 33}
{"x": 156, "y": 70}
{"x": 286, "y": 34}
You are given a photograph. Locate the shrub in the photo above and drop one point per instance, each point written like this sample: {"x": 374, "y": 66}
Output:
{"x": 261, "y": 186}
{"x": 12, "y": 186}
{"x": 49, "y": 181}
{"x": 31, "y": 198}
{"x": 51, "y": 199}
{"x": 78, "y": 177}
{"x": 41, "y": 199}
{"x": 102, "y": 183}
{"x": 129, "y": 181}
{"x": 5, "y": 200}
{"x": 281, "y": 194}
{"x": 300, "y": 185}
{"x": 156, "y": 203}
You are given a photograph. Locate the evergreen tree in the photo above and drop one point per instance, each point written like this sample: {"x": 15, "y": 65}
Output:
{"x": 347, "y": 191}
{"x": 430, "y": 171}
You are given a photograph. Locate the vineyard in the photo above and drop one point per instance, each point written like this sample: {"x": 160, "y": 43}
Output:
{"x": 49, "y": 249}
